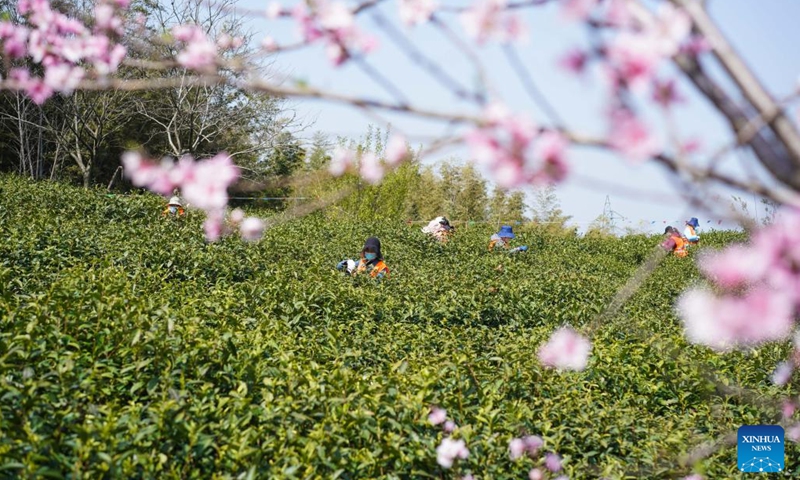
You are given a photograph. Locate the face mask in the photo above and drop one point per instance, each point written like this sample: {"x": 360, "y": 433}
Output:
{"x": 370, "y": 256}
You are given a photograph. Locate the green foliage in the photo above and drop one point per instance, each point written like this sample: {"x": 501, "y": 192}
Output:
{"x": 129, "y": 348}
{"x": 547, "y": 212}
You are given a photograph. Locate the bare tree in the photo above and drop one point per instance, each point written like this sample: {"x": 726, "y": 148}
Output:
{"x": 21, "y": 118}
{"x": 85, "y": 123}
{"x": 193, "y": 118}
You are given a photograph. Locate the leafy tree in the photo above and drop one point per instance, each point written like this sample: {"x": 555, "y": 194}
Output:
{"x": 547, "y": 209}
{"x": 318, "y": 155}
{"x": 601, "y": 226}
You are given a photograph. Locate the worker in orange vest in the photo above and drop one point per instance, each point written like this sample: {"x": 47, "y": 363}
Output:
{"x": 174, "y": 206}
{"x": 674, "y": 242}
{"x": 371, "y": 261}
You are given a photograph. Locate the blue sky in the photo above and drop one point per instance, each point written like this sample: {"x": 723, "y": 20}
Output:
{"x": 762, "y": 31}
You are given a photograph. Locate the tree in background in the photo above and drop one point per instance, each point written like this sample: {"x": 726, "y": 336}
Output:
{"x": 505, "y": 207}
{"x": 547, "y": 210}
{"x": 601, "y": 226}
{"x": 82, "y": 135}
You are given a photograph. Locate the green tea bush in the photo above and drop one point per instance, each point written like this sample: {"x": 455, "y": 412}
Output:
{"x": 130, "y": 348}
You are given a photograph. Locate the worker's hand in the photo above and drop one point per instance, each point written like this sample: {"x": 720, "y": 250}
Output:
{"x": 341, "y": 265}
{"x": 523, "y": 248}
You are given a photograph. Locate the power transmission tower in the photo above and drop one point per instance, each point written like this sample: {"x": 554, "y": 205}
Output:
{"x": 612, "y": 215}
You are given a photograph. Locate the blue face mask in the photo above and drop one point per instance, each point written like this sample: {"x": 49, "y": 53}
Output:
{"x": 370, "y": 256}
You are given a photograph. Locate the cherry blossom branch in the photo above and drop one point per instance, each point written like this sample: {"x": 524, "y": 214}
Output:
{"x": 777, "y": 194}
{"x": 775, "y": 161}
{"x": 510, "y": 6}
{"x": 416, "y": 56}
{"x": 747, "y": 82}
{"x": 530, "y": 87}
{"x": 748, "y": 131}
{"x": 259, "y": 85}
{"x": 381, "y": 80}
{"x": 466, "y": 49}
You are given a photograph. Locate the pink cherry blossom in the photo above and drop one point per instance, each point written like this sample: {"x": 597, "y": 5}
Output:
{"x": 553, "y": 462}
{"x": 566, "y": 350}
{"x": 574, "y": 61}
{"x": 105, "y": 19}
{"x": 782, "y": 373}
{"x": 14, "y": 40}
{"x": 141, "y": 172}
{"x": 532, "y": 443}
{"x": 507, "y": 144}
{"x": 334, "y": 23}
{"x": 787, "y": 409}
{"x": 618, "y": 13}
{"x": 665, "y": 93}
{"x": 516, "y": 448}
{"x": 59, "y": 43}
{"x": 634, "y": 57}
{"x": 551, "y": 148}
{"x": 514, "y": 29}
{"x": 690, "y": 146}
{"x": 630, "y": 137}
{"x": 335, "y": 16}
{"x": 237, "y": 215}
{"x": 793, "y": 433}
{"x": 535, "y": 474}
{"x": 204, "y": 185}
{"x": 188, "y": 33}
{"x": 450, "y": 450}
{"x": 341, "y": 160}
{"x": 736, "y": 266}
{"x": 226, "y": 42}
{"x": 396, "y": 150}
{"x": 207, "y": 187}
{"x": 529, "y": 444}
{"x": 213, "y": 227}
{"x": 252, "y": 229}
{"x": 449, "y": 426}
{"x": 722, "y": 323}
{"x": 274, "y": 10}
{"x": 64, "y": 77}
{"x": 577, "y": 9}
{"x": 760, "y": 291}
{"x": 336, "y": 53}
{"x": 487, "y": 19}
{"x": 671, "y": 27}
{"x": 437, "y": 415}
{"x": 414, "y": 12}
{"x": 37, "y": 90}
{"x": 371, "y": 169}
{"x": 695, "y": 45}
{"x": 305, "y": 21}
{"x": 482, "y": 19}
{"x": 199, "y": 52}
{"x": 269, "y": 44}
{"x": 109, "y": 60}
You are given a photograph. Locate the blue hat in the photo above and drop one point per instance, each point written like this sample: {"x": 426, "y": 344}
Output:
{"x": 505, "y": 231}
{"x": 693, "y": 222}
